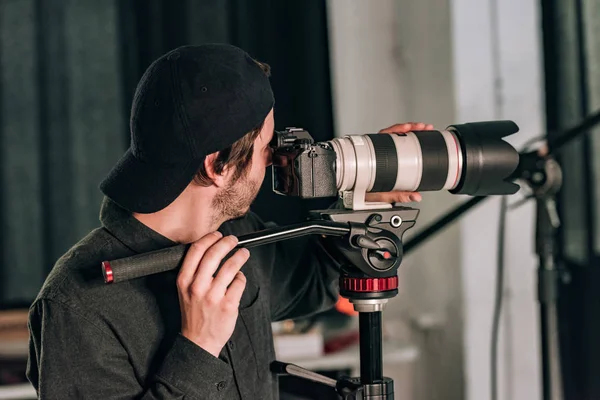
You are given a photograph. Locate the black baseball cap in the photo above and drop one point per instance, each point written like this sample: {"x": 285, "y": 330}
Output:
{"x": 190, "y": 102}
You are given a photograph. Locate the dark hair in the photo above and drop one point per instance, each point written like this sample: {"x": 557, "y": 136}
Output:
{"x": 238, "y": 155}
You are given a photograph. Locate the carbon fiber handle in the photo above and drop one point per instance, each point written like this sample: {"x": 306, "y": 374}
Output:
{"x": 172, "y": 257}
{"x": 143, "y": 264}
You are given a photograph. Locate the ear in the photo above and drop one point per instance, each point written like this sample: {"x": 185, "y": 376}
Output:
{"x": 218, "y": 179}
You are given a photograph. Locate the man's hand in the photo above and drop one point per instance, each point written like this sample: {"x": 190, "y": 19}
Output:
{"x": 399, "y": 197}
{"x": 209, "y": 306}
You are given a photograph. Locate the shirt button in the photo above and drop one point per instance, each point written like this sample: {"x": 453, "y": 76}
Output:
{"x": 231, "y": 345}
{"x": 221, "y": 385}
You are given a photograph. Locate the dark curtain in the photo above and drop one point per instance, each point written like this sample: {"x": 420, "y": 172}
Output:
{"x": 572, "y": 69}
{"x": 68, "y": 72}
{"x": 61, "y": 128}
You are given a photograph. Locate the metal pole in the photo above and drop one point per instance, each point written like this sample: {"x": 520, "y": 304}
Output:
{"x": 371, "y": 359}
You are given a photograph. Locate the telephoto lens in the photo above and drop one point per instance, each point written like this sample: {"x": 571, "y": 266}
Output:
{"x": 464, "y": 159}
{"x": 471, "y": 159}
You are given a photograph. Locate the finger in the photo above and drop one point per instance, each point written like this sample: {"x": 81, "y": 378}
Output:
{"x": 236, "y": 289}
{"x": 212, "y": 259}
{"x": 394, "y": 197}
{"x": 193, "y": 257}
{"x": 399, "y": 198}
{"x": 407, "y": 127}
{"x": 420, "y": 126}
{"x": 229, "y": 270}
{"x": 400, "y": 128}
{"x": 388, "y": 197}
{"x": 416, "y": 196}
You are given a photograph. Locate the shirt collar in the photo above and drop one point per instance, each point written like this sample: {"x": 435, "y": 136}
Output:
{"x": 129, "y": 231}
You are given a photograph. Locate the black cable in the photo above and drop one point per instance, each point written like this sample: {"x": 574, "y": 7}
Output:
{"x": 496, "y": 63}
{"x": 495, "y": 334}
{"x": 498, "y": 299}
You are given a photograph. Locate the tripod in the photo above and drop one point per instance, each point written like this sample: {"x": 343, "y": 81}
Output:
{"x": 368, "y": 245}
{"x": 373, "y": 252}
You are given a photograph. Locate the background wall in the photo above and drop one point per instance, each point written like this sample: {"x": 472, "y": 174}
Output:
{"x": 448, "y": 62}
{"x": 498, "y": 75}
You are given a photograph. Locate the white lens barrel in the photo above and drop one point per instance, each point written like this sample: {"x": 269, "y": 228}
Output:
{"x": 410, "y": 162}
{"x": 427, "y": 160}
{"x": 455, "y": 160}
{"x": 345, "y": 166}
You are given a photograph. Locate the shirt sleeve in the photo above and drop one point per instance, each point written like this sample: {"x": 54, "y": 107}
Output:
{"x": 303, "y": 276}
{"x": 70, "y": 356}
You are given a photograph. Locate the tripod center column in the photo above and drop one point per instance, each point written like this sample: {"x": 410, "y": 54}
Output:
{"x": 371, "y": 359}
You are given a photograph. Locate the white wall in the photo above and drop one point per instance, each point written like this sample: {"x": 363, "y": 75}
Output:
{"x": 435, "y": 61}
{"x": 498, "y": 76}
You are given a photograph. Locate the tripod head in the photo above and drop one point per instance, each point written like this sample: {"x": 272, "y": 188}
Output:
{"x": 370, "y": 253}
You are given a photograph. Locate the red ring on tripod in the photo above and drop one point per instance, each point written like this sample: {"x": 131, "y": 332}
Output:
{"x": 351, "y": 284}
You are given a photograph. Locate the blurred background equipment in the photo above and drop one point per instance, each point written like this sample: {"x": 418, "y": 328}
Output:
{"x": 572, "y": 92}
{"x": 67, "y": 73}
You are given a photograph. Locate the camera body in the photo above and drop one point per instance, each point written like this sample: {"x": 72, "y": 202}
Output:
{"x": 301, "y": 167}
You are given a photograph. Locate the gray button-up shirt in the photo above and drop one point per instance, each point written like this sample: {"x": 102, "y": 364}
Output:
{"x": 90, "y": 340}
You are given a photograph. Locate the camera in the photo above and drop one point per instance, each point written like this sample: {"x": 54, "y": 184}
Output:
{"x": 470, "y": 158}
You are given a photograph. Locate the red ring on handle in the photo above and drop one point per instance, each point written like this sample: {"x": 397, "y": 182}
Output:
{"x": 107, "y": 272}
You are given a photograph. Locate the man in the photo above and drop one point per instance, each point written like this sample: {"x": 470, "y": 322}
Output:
{"x": 201, "y": 123}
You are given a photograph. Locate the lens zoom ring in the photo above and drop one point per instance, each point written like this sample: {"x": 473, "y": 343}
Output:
{"x": 386, "y": 162}
{"x": 434, "y": 153}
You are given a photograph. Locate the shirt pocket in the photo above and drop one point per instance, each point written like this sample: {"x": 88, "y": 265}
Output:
{"x": 257, "y": 322}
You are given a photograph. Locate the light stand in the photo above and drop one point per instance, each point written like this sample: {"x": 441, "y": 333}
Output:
{"x": 544, "y": 177}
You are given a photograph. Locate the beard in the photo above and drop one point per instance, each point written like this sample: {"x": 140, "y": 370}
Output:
{"x": 234, "y": 200}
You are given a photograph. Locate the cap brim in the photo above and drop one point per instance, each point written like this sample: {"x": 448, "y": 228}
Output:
{"x": 146, "y": 188}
